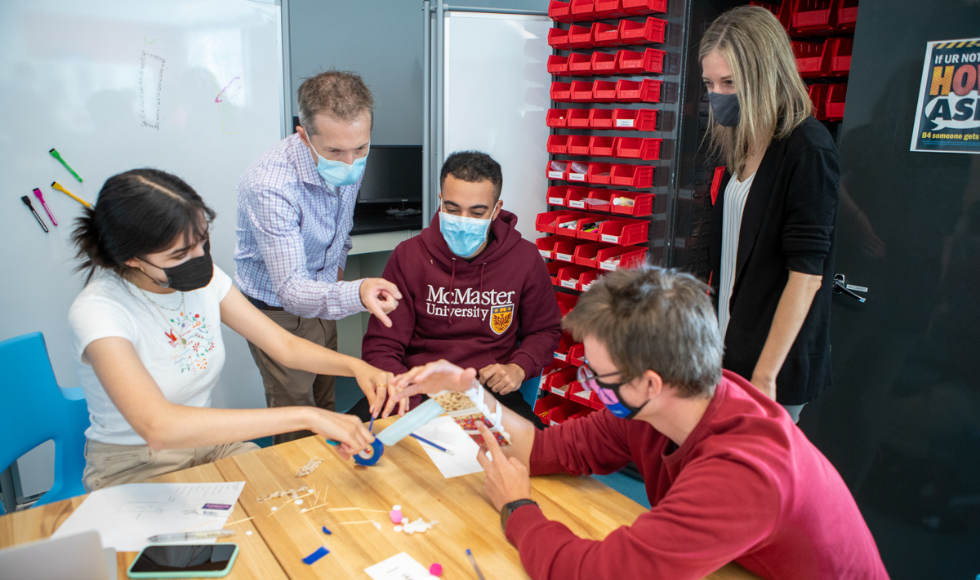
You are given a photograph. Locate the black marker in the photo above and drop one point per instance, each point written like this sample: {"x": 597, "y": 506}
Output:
{"x": 27, "y": 202}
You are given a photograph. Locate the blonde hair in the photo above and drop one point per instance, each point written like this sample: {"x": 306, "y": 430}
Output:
{"x": 771, "y": 94}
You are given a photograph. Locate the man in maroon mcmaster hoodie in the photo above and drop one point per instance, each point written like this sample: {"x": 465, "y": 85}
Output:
{"x": 729, "y": 476}
{"x": 474, "y": 292}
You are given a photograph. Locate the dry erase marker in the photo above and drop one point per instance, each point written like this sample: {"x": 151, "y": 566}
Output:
{"x": 181, "y": 537}
{"x": 37, "y": 194}
{"x": 27, "y": 202}
{"x": 54, "y": 153}
{"x": 62, "y": 189}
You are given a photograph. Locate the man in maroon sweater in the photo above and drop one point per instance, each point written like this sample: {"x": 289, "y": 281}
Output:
{"x": 729, "y": 476}
{"x": 474, "y": 292}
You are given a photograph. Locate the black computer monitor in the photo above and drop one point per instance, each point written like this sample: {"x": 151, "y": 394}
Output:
{"x": 393, "y": 174}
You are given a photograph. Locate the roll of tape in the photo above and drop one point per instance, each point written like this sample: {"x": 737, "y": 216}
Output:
{"x": 370, "y": 456}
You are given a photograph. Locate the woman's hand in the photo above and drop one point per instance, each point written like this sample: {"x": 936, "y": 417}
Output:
{"x": 434, "y": 377}
{"x": 765, "y": 384}
{"x": 347, "y": 429}
{"x": 377, "y": 386}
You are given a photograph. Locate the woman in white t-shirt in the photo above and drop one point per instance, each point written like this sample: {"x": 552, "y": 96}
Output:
{"x": 147, "y": 340}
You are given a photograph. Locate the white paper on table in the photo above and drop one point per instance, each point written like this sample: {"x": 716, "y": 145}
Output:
{"x": 443, "y": 430}
{"x": 399, "y": 567}
{"x": 127, "y": 515}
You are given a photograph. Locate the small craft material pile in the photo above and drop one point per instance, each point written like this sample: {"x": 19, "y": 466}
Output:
{"x": 403, "y": 525}
{"x": 309, "y": 467}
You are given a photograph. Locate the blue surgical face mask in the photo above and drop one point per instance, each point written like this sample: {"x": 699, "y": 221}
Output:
{"x": 338, "y": 173}
{"x": 463, "y": 235}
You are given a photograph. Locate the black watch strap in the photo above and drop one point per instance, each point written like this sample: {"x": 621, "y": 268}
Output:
{"x": 510, "y": 508}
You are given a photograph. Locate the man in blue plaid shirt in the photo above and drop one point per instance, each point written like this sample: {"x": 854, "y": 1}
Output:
{"x": 295, "y": 214}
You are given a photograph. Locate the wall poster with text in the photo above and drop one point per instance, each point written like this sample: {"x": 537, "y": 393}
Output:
{"x": 948, "y": 114}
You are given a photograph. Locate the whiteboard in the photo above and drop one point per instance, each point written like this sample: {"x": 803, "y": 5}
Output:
{"x": 194, "y": 87}
{"x": 496, "y": 97}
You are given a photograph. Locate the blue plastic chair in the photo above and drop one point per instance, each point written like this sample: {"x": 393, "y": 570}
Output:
{"x": 34, "y": 410}
{"x": 529, "y": 390}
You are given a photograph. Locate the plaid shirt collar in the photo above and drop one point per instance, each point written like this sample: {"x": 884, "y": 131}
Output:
{"x": 302, "y": 160}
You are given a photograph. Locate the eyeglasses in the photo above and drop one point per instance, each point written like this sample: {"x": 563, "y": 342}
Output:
{"x": 588, "y": 378}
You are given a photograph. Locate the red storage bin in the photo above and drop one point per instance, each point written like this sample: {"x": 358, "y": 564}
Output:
{"x": 645, "y": 6}
{"x": 631, "y": 203}
{"x": 588, "y": 199}
{"x": 650, "y": 60}
{"x": 557, "y": 144}
{"x": 578, "y": 118}
{"x": 634, "y": 119}
{"x": 605, "y": 34}
{"x": 550, "y": 406}
{"x": 561, "y": 354}
{"x": 547, "y": 222}
{"x": 562, "y": 412}
{"x": 623, "y": 232}
{"x": 836, "y": 96}
{"x": 609, "y": 8}
{"x": 561, "y": 92}
{"x": 566, "y": 302}
{"x": 604, "y": 63}
{"x": 553, "y": 268}
{"x": 781, "y": 11}
{"x": 617, "y": 257}
{"x": 847, "y": 15}
{"x": 558, "y": 65}
{"x": 812, "y": 58}
{"x": 601, "y": 119}
{"x": 583, "y": 9}
{"x": 578, "y": 145}
{"x": 581, "y": 91}
{"x": 560, "y": 11}
{"x": 840, "y": 50}
{"x": 568, "y": 276}
{"x": 653, "y": 30}
{"x": 567, "y": 225}
{"x": 814, "y": 16}
{"x": 818, "y": 94}
{"x": 578, "y": 170}
{"x": 558, "y": 38}
{"x": 638, "y": 176}
{"x": 588, "y": 229}
{"x": 579, "y": 36}
{"x": 586, "y": 280}
{"x": 585, "y": 253}
{"x": 599, "y": 174}
{"x": 604, "y": 92}
{"x": 581, "y": 395}
{"x": 556, "y": 118}
{"x": 601, "y": 146}
{"x": 647, "y": 90}
{"x": 564, "y": 250}
{"x": 646, "y": 149}
{"x": 556, "y": 169}
{"x": 576, "y": 355}
{"x": 557, "y": 193}
{"x": 546, "y": 246}
{"x": 579, "y": 63}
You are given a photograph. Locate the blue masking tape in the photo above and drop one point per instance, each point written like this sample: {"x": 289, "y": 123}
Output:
{"x": 326, "y": 531}
{"x": 370, "y": 456}
{"x": 321, "y": 552}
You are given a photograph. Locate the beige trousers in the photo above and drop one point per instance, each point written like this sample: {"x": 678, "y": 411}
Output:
{"x": 286, "y": 387}
{"x": 107, "y": 464}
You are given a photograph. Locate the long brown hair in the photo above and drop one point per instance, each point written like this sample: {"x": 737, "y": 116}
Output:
{"x": 771, "y": 94}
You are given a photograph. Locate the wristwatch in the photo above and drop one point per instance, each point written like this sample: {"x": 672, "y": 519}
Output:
{"x": 509, "y": 509}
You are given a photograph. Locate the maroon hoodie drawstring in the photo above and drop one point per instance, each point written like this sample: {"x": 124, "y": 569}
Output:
{"x": 452, "y": 280}
{"x": 482, "y": 269}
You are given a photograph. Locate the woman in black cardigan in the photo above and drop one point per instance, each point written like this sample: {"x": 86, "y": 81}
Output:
{"x": 772, "y": 244}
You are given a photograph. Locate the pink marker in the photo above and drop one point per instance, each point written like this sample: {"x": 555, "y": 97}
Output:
{"x": 37, "y": 194}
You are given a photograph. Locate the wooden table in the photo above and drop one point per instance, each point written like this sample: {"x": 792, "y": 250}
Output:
{"x": 405, "y": 476}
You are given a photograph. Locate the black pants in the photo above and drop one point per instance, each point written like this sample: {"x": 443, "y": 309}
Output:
{"x": 513, "y": 401}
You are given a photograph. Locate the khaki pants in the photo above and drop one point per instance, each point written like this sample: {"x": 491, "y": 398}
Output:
{"x": 107, "y": 464}
{"x": 285, "y": 387}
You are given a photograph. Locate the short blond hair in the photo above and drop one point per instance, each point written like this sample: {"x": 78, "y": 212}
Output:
{"x": 771, "y": 94}
{"x": 340, "y": 94}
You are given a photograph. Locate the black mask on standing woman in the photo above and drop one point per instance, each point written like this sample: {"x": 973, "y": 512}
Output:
{"x": 725, "y": 108}
{"x": 193, "y": 274}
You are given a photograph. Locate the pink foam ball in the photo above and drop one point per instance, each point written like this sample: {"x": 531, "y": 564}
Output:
{"x": 396, "y": 516}
{"x": 436, "y": 569}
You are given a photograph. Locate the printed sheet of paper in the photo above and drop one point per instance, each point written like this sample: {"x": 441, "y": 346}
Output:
{"x": 127, "y": 515}
{"x": 446, "y": 432}
{"x": 399, "y": 567}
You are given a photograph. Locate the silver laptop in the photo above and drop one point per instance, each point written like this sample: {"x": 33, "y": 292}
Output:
{"x": 78, "y": 557}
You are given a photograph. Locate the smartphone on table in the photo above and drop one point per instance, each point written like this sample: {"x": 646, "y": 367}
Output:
{"x": 184, "y": 561}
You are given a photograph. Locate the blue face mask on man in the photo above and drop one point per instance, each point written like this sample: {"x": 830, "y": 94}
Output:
{"x": 338, "y": 173}
{"x": 463, "y": 235}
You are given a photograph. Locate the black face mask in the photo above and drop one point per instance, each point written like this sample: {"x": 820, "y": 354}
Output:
{"x": 726, "y": 109}
{"x": 193, "y": 274}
